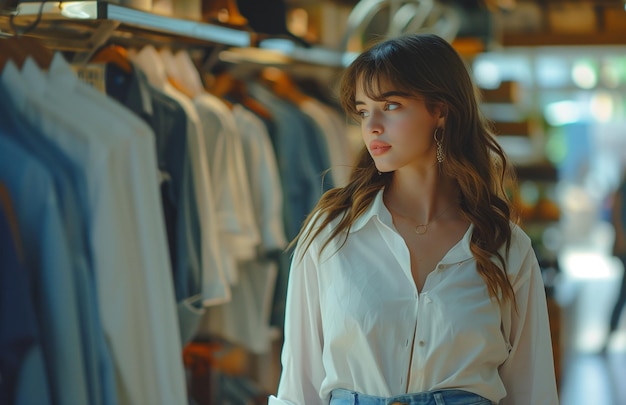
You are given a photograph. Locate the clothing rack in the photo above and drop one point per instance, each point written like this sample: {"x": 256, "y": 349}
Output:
{"x": 99, "y": 11}
{"x": 82, "y": 27}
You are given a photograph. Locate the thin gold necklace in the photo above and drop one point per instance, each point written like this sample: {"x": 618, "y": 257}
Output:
{"x": 421, "y": 229}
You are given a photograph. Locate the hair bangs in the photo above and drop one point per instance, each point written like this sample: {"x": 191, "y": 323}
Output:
{"x": 382, "y": 72}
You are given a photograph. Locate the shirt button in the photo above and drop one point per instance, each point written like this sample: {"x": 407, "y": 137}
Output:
{"x": 428, "y": 300}
{"x": 407, "y": 342}
{"x": 422, "y": 343}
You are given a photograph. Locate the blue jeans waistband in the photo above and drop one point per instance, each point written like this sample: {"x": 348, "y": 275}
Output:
{"x": 442, "y": 397}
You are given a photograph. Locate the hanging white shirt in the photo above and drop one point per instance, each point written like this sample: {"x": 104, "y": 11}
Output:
{"x": 335, "y": 133}
{"x": 117, "y": 153}
{"x": 214, "y": 262}
{"x": 246, "y": 318}
{"x": 239, "y": 234}
{"x": 264, "y": 178}
{"x": 354, "y": 315}
{"x": 141, "y": 188}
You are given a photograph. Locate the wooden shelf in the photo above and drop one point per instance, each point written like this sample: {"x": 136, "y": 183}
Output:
{"x": 523, "y": 128}
{"x": 543, "y": 171}
{"x": 78, "y": 22}
{"x": 563, "y": 39}
{"x": 507, "y": 92}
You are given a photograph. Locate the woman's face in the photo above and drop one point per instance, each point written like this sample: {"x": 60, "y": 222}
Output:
{"x": 398, "y": 129}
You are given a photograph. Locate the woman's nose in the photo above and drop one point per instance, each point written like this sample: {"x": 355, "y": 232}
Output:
{"x": 374, "y": 125}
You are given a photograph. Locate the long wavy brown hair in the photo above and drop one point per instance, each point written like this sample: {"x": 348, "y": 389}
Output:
{"x": 427, "y": 65}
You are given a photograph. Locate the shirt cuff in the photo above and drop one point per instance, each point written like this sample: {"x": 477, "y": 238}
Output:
{"x": 275, "y": 401}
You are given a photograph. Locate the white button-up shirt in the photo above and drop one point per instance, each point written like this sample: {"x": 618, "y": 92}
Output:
{"x": 354, "y": 315}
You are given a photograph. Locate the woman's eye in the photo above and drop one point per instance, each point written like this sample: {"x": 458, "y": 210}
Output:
{"x": 362, "y": 113}
{"x": 391, "y": 106}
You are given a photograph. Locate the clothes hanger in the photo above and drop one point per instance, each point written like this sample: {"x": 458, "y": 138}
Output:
{"x": 178, "y": 85}
{"x": 36, "y": 49}
{"x": 19, "y": 47}
{"x": 152, "y": 65}
{"x": 6, "y": 52}
{"x": 220, "y": 86}
{"x": 115, "y": 63}
{"x": 114, "y": 54}
{"x": 227, "y": 85}
{"x": 174, "y": 75}
{"x": 251, "y": 103}
{"x": 190, "y": 74}
{"x": 283, "y": 85}
{"x": 224, "y": 12}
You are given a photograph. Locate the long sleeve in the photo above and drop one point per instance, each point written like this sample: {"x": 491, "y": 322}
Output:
{"x": 303, "y": 371}
{"x": 528, "y": 373}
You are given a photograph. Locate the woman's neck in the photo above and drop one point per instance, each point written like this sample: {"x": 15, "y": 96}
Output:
{"x": 421, "y": 197}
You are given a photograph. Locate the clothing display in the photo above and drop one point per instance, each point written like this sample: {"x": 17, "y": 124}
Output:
{"x": 153, "y": 213}
{"x": 246, "y": 318}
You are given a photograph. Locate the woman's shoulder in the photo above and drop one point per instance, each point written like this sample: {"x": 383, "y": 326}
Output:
{"x": 520, "y": 258}
{"x": 520, "y": 241}
{"x": 519, "y": 237}
{"x": 319, "y": 227}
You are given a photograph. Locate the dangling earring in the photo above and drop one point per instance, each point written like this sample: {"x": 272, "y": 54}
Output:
{"x": 379, "y": 173}
{"x": 438, "y": 140}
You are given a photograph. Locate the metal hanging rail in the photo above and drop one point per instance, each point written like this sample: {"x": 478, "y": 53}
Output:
{"x": 105, "y": 11}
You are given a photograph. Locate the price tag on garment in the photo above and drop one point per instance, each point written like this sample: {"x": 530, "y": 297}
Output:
{"x": 93, "y": 74}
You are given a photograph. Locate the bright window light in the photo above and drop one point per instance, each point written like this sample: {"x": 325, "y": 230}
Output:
{"x": 584, "y": 74}
{"x": 587, "y": 265}
{"x": 609, "y": 74}
{"x": 556, "y": 146}
{"x": 602, "y": 106}
{"x": 552, "y": 71}
{"x": 562, "y": 113}
{"x": 487, "y": 74}
{"x": 78, "y": 9}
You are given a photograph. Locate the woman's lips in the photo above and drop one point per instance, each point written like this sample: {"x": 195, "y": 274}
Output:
{"x": 378, "y": 148}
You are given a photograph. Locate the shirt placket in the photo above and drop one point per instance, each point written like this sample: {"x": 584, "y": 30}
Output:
{"x": 409, "y": 346}
{"x": 398, "y": 248}
{"x": 420, "y": 342}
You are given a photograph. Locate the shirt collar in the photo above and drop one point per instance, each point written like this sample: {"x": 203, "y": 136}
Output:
{"x": 377, "y": 210}
{"x": 461, "y": 251}
{"x": 61, "y": 75}
{"x": 139, "y": 97}
{"x": 15, "y": 85}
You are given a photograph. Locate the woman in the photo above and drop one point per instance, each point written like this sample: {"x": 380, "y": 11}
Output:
{"x": 411, "y": 284}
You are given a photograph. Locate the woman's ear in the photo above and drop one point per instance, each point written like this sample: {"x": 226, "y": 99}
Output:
{"x": 441, "y": 112}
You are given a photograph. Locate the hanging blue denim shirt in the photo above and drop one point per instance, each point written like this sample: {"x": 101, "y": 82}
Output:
{"x": 48, "y": 259}
{"x": 302, "y": 156}
{"x": 73, "y": 205}
{"x": 19, "y": 335}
